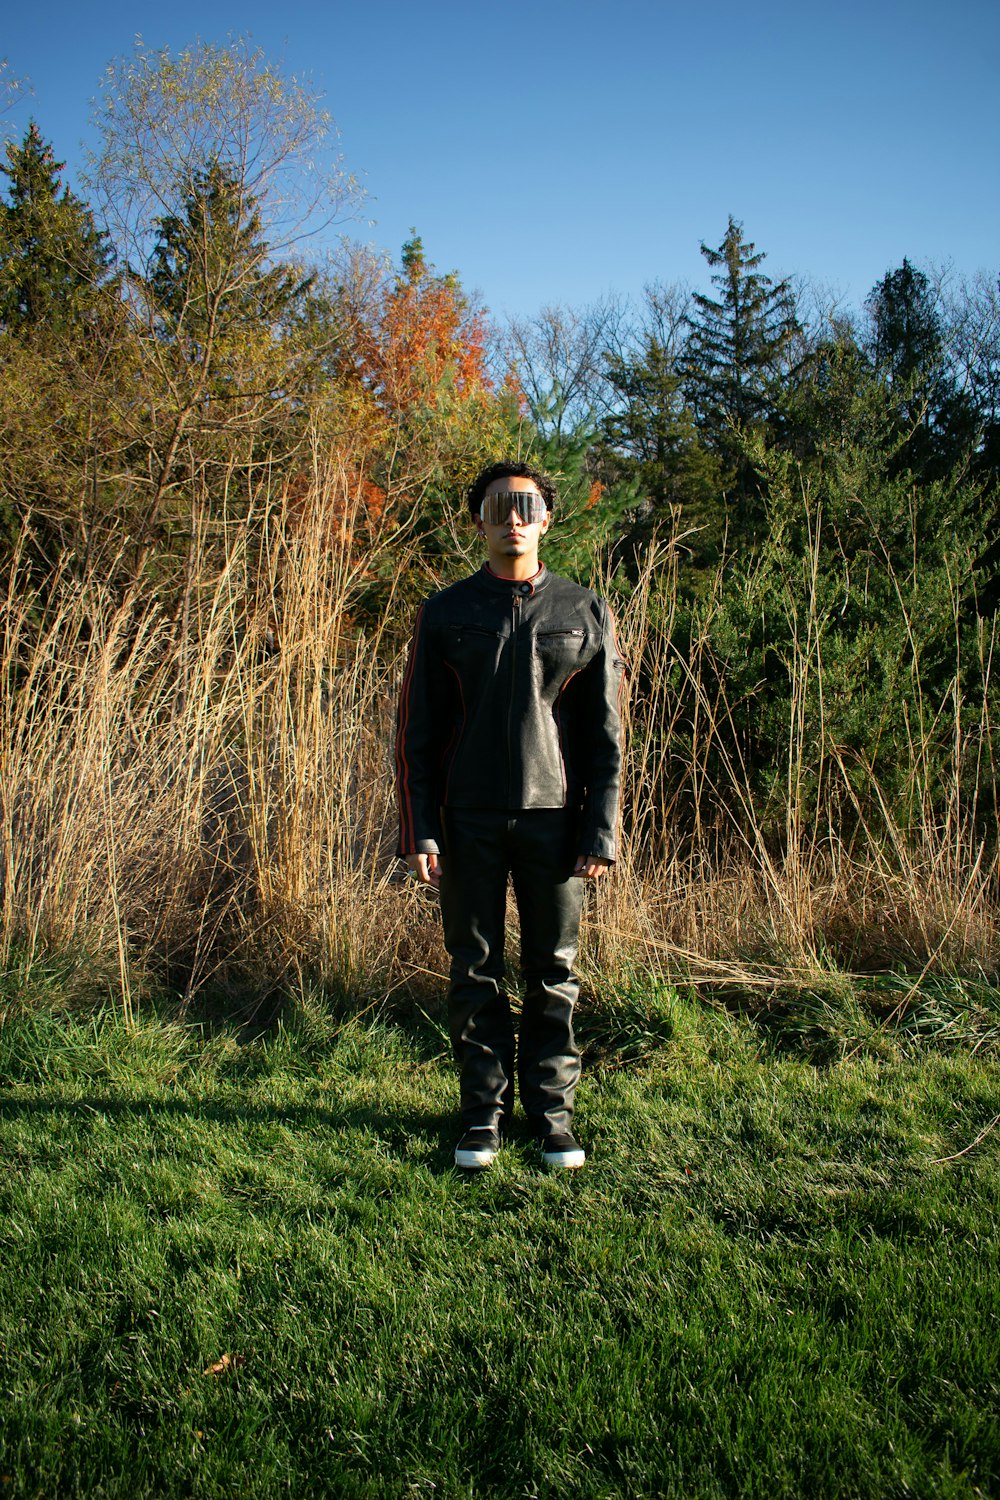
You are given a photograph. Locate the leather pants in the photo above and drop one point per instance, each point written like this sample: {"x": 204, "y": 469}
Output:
{"x": 537, "y": 849}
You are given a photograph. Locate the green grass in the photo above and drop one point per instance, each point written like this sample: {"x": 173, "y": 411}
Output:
{"x": 761, "y": 1284}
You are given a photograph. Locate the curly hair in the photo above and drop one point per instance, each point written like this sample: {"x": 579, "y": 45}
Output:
{"x": 512, "y": 469}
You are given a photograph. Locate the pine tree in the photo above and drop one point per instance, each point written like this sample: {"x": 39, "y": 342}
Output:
{"x": 907, "y": 335}
{"x": 738, "y": 347}
{"x": 209, "y": 273}
{"x": 937, "y": 426}
{"x": 52, "y": 257}
{"x": 651, "y": 440}
{"x": 59, "y": 364}
{"x": 219, "y": 341}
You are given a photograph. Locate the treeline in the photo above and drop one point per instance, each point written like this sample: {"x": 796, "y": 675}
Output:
{"x": 813, "y": 489}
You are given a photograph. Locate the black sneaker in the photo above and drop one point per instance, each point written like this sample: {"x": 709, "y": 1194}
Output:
{"x": 562, "y": 1150}
{"x": 477, "y": 1148}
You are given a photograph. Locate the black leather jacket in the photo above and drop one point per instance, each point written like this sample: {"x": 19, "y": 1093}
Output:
{"x": 510, "y": 700}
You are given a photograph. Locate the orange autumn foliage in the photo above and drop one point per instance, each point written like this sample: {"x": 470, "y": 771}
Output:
{"x": 513, "y": 388}
{"x": 373, "y": 499}
{"x": 422, "y": 336}
{"x": 353, "y": 507}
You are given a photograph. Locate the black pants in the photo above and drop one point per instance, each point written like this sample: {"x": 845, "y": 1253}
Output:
{"x": 537, "y": 850}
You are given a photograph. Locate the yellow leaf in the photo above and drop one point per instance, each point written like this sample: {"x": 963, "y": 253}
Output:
{"x": 227, "y": 1362}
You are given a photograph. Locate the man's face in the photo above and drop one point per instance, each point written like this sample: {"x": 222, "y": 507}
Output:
{"x": 513, "y": 537}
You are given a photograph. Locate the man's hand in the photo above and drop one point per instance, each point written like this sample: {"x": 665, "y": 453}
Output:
{"x": 425, "y": 868}
{"x": 591, "y": 866}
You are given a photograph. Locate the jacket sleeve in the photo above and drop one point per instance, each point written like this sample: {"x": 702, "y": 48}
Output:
{"x": 416, "y": 778}
{"x": 601, "y": 690}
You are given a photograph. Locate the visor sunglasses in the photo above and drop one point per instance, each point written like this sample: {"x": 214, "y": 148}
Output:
{"x": 529, "y": 504}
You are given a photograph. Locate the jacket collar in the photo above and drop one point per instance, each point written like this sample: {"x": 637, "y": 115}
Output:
{"x": 525, "y": 587}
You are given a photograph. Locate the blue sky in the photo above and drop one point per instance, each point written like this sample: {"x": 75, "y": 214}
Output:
{"x": 554, "y": 152}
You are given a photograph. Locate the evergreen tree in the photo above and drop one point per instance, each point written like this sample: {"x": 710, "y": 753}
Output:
{"x": 937, "y": 428}
{"x": 738, "y": 347}
{"x": 60, "y": 361}
{"x": 651, "y": 440}
{"x": 972, "y": 322}
{"x": 220, "y": 323}
{"x": 209, "y": 274}
{"x": 907, "y": 336}
{"x": 52, "y": 257}
{"x": 213, "y": 140}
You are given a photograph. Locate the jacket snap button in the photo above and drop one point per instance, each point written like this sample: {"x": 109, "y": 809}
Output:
{"x": 526, "y": 588}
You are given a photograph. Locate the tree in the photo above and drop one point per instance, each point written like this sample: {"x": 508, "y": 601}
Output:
{"x": 908, "y": 347}
{"x": 59, "y": 358}
{"x": 973, "y": 321}
{"x": 53, "y": 259}
{"x": 558, "y": 358}
{"x": 221, "y": 308}
{"x": 906, "y": 337}
{"x": 974, "y": 346}
{"x": 165, "y": 120}
{"x": 213, "y": 166}
{"x": 424, "y": 338}
{"x": 649, "y": 433}
{"x": 738, "y": 348}
{"x": 222, "y": 324}
{"x": 210, "y": 266}
{"x": 416, "y": 412}
{"x": 559, "y": 361}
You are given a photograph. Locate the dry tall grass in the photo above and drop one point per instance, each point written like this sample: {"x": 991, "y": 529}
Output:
{"x": 825, "y": 883}
{"x": 204, "y": 793}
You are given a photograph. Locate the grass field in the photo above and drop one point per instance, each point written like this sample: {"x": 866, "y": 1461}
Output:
{"x": 248, "y": 1268}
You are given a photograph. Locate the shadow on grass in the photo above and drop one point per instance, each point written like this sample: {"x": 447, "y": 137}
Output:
{"x": 397, "y": 1130}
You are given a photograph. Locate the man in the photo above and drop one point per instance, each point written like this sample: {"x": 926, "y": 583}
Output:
{"x": 508, "y": 760}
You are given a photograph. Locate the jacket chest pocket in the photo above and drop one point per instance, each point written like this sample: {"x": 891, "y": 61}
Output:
{"x": 561, "y": 653}
{"x": 471, "y": 646}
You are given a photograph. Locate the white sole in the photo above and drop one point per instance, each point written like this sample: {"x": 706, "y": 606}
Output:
{"x": 568, "y": 1159}
{"x": 474, "y": 1159}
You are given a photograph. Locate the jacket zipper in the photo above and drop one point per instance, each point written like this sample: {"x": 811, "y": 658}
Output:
{"x": 515, "y": 612}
